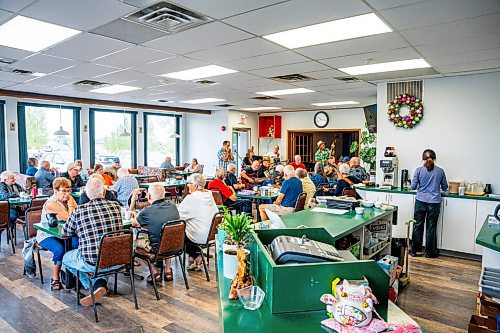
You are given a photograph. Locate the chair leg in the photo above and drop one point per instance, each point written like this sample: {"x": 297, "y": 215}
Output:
{"x": 208, "y": 256}
{"x": 93, "y": 299}
{"x": 183, "y": 268}
{"x": 132, "y": 285}
{"x": 9, "y": 235}
{"x": 154, "y": 280}
{"x": 25, "y": 232}
{"x": 115, "y": 287}
{"x": 204, "y": 265}
{"x": 14, "y": 234}
{"x": 39, "y": 265}
{"x": 77, "y": 287}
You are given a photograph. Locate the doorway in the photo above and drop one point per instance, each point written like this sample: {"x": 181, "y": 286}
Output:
{"x": 240, "y": 141}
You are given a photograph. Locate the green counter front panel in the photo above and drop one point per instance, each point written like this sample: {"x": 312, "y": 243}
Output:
{"x": 298, "y": 287}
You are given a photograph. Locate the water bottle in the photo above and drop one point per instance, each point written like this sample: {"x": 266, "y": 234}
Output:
{"x": 33, "y": 192}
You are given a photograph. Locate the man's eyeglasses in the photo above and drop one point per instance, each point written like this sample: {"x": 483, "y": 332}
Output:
{"x": 66, "y": 190}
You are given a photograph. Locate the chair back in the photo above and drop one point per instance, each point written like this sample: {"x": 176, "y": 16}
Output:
{"x": 4, "y": 214}
{"x": 171, "y": 238}
{"x": 138, "y": 200}
{"x": 115, "y": 249}
{"x": 185, "y": 166}
{"x": 301, "y": 202}
{"x": 202, "y": 166}
{"x": 33, "y": 215}
{"x": 38, "y": 202}
{"x": 218, "y": 217}
{"x": 350, "y": 192}
{"x": 217, "y": 197}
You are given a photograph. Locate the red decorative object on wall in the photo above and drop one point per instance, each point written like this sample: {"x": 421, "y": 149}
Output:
{"x": 270, "y": 127}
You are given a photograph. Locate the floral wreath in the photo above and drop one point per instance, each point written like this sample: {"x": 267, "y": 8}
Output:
{"x": 412, "y": 118}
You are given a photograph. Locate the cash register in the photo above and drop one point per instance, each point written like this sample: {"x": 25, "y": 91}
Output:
{"x": 300, "y": 250}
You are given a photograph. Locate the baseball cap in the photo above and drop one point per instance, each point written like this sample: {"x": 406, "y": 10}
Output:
{"x": 116, "y": 160}
{"x": 320, "y": 143}
{"x": 72, "y": 166}
{"x": 345, "y": 159}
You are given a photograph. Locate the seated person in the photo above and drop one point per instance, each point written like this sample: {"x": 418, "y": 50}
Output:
{"x": 357, "y": 170}
{"x": 83, "y": 172}
{"x": 113, "y": 169}
{"x": 289, "y": 192}
{"x": 89, "y": 230}
{"x": 61, "y": 204}
{"x": 194, "y": 167}
{"x": 264, "y": 168}
{"x": 73, "y": 174}
{"x": 345, "y": 181}
{"x": 231, "y": 179}
{"x": 297, "y": 162}
{"x": 331, "y": 169}
{"x": 9, "y": 189}
{"x": 99, "y": 169}
{"x": 44, "y": 178}
{"x": 197, "y": 209}
{"x": 307, "y": 184}
{"x": 248, "y": 158}
{"x": 168, "y": 164}
{"x": 249, "y": 176}
{"x": 319, "y": 177}
{"x": 276, "y": 177}
{"x": 154, "y": 217}
{"x": 108, "y": 195}
{"x": 124, "y": 186}
{"x": 32, "y": 166}
{"x": 228, "y": 194}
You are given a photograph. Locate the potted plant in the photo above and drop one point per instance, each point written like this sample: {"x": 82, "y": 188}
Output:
{"x": 237, "y": 236}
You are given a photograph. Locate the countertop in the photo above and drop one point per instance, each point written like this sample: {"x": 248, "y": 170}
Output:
{"x": 486, "y": 236}
{"x": 444, "y": 194}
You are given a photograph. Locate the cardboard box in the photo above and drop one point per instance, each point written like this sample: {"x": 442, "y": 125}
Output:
{"x": 488, "y": 307}
{"x": 479, "y": 324}
{"x": 390, "y": 265}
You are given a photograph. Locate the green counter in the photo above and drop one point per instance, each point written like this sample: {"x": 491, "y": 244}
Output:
{"x": 397, "y": 190}
{"x": 487, "y": 236}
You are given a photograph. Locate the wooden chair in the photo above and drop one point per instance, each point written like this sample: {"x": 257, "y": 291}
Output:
{"x": 115, "y": 255}
{"x": 216, "y": 220}
{"x": 350, "y": 192}
{"x": 301, "y": 202}
{"x": 219, "y": 201}
{"x": 4, "y": 224}
{"x": 21, "y": 220}
{"x": 171, "y": 245}
{"x": 33, "y": 216}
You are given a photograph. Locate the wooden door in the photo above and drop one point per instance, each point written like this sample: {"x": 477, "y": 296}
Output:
{"x": 300, "y": 143}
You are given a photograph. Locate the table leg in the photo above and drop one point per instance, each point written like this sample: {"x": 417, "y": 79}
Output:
{"x": 257, "y": 203}
{"x": 69, "y": 279}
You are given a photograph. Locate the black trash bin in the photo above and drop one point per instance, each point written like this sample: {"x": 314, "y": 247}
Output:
{"x": 398, "y": 248}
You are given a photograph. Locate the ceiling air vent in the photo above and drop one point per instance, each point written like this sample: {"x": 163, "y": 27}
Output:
{"x": 168, "y": 17}
{"x": 291, "y": 78}
{"x": 207, "y": 82}
{"x": 265, "y": 98}
{"x": 414, "y": 88}
{"x": 348, "y": 79}
{"x": 6, "y": 61}
{"x": 22, "y": 72}
{"x": 86, "y": 85}
{"x": 225, "y": 105}
{"x": 163, "y": 101}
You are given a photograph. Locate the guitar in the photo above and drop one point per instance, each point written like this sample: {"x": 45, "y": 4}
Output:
{"x": 248, "y": 184}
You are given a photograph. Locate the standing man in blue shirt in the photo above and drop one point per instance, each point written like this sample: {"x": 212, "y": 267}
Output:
{"x": 225, "y": 156}
{"x": 289, "y": 192}
{"x": 429, "y": 180}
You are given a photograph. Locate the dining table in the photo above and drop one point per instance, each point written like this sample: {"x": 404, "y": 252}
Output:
{"x": 183, "y": 173}
{"x": 167, "y": 184}
{"x": 258, "y": 199}
{"x": 16, "y": 202}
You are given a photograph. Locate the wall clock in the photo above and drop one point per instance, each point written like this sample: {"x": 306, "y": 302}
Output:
{"x": 321, "y": 119}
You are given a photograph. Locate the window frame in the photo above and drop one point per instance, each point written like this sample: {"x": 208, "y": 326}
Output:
{"x": 133, "y": 132}
{"x": 3, "y": 138}
{"x": 22, "y": 135}
{"x": 177, "y": 131}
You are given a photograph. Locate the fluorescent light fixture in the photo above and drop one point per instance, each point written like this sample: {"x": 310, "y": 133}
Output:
{"x": 32, "y": 35}
{"x": 386, "y": 67}
{"x": 114, "y": 89}
{"x": 261, "y": 108}
{"x": 37, "y": 74}
{"x": 335, "y": 103}
{"x": 285, "y": 92}
{"x": 200, "y": 72}
{"x": 203, "y": 100}
{"x": 347, "y": 28}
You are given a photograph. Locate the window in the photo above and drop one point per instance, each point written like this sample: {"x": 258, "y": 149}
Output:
{"x": 161, "y": 133}
{"x": 3, "y": 158}
{"x": 49, "y": 132}
{"x": 112, "y": 134}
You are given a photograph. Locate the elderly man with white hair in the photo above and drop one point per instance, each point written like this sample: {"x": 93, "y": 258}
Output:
{"x": 357, "y": 170}
{"x": 345, "y": 181}
{"x": 289, "y": 192}
{"x": 168, "y": 164}
{"x": 197, "y": 209}
{"x": 231, "y": 180}
{"x": 9, "y": 189}
{"x": 89, "y": 222}
{"x": 153, "y": 217}
{"x": 124, "y": 186}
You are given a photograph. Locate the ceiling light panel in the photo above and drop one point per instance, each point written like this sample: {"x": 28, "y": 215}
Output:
{"x": 203, "y": 100}
{"x": 335, "y": 103}
{"x": 114, "y": 89}
{"x": 386, "y": 67}
{"x": 347, "y": 28}
{"x": 261, "y": 108}
{"x": 200, "y": 73}
{"x": 285, "y": 92}
{"x": 32, "y": 35}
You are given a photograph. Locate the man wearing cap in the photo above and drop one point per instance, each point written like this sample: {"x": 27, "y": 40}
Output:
{"x": 322, "y": 154}
{"x": 113, "y": 169}
{"x": 73, "y": 174}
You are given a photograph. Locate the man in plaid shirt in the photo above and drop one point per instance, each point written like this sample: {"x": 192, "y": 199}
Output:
{"x": 225, "y": 156}
{"x": 90, "y": 222}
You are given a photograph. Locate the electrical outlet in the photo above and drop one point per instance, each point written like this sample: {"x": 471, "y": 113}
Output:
{"x": 85, "y": 128}
{"x": 12, "y": 127}
{"x": 140, "y": 130}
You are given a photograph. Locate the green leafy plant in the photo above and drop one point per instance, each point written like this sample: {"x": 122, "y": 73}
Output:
{"x": 368, "y": 152}
{"x": 237, "y": 228}
{"x": 354, "y": 147}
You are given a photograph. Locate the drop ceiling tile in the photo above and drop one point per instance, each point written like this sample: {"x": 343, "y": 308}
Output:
{"x": 367, "y": 44}
{"x": 9, "y": 52}
{"x": 153, "y": 81}
{"x": 385, "y": 4}
{"x": 14, "y": 6}
{"x": 470, "y": 66}
{"x": 400, "y": 75}
{"x": 266, "y": 61}
{"x": 427, "y": 13}
{"x": 238, "y": 50}
{"x": 77, "y": 14}
{"x": 325, "y": 74}
{"x": 43, "y": 63}
{"x": 315, "y": 84}
{"x": 50, "y": 81}
{"x": 175, "y": 64}
{"x": 374, "y": 58}
{"x": 460, "y": 45}
{"x": 464, "y": 57}
{"x": 224, "y": 8}
{"x": 86, "y": 47}
{"x": 4, "y": 15}
{"x": 296, "y": 14}
{"x": 28, "y": 88}
{"x": 199, "y": 38}
{"x": 236, "y": 78}
{"x": 123, "y": 76}
{"x": 479, "y": 26}
{"x": 86, "y": 71}
{"x": 5, "y": 84}
{"x": 133, "y": 56}
{"x": 309, "y": 66}
{"x": 12, "y": 77}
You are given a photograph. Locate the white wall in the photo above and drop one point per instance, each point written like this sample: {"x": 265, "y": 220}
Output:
{"x": 461, "y": 124}
{"x": 251, "y": 122}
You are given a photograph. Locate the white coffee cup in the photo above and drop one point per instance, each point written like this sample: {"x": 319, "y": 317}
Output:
{"x": 461, "y": 190}
{"x": 127, "y": 214}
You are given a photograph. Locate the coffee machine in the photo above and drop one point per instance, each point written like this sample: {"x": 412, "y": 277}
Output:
{"x": 389, "y": 166}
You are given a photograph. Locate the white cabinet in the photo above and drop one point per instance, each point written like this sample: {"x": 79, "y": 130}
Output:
{"x": 377, "y": 196}
{"x": 484, "y": 208}
{"x": 405, "y": 203}
{"x": 459, "y": 224}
